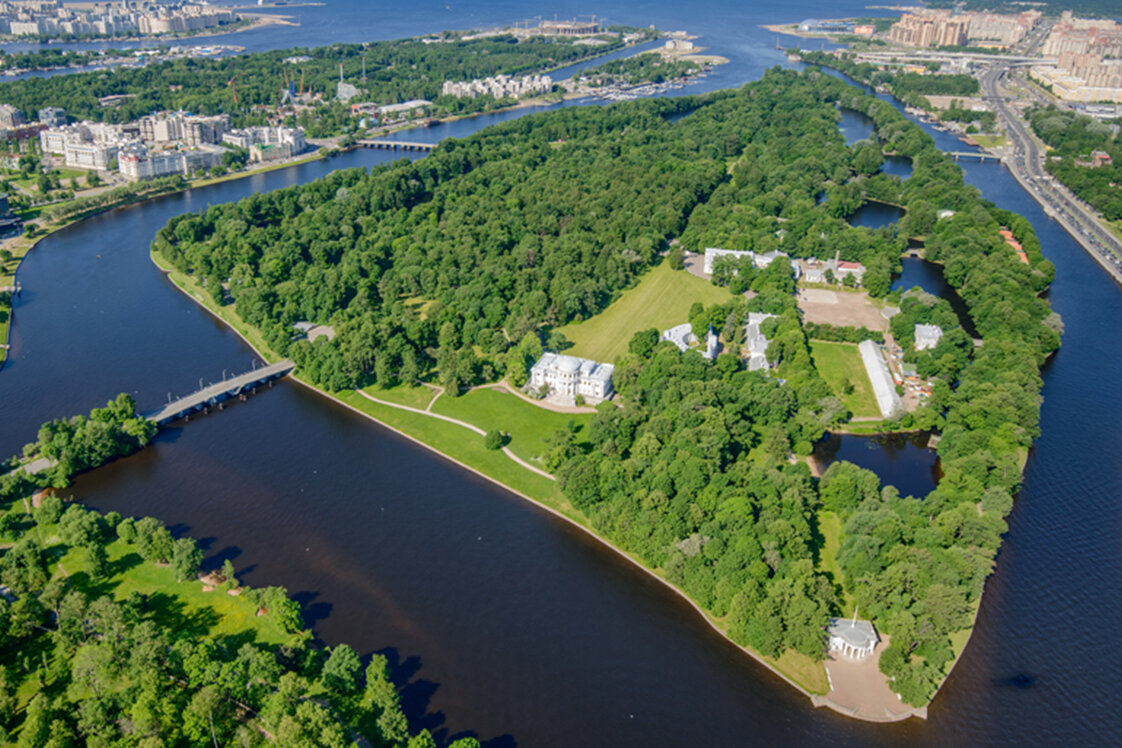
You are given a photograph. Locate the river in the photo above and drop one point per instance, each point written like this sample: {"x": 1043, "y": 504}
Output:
{"x": 498, "y": 617}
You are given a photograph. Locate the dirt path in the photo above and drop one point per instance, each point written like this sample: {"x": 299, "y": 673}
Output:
{"x": 428, "y": 412}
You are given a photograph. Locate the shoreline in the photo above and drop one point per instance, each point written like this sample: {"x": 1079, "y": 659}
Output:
{"x": 818, "y": 700}
{"x": 5, "y": 344}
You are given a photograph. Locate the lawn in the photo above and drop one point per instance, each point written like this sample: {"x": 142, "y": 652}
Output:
{"x": 839, "y": 363}
{"x": 466, "y": 447}
{"x": 413, "y": 397}
{"x": 528, "y": 425}
{"x": 661, "y": 300}
{"x": 989, "y": 141}
{"x": 830, "y": 525}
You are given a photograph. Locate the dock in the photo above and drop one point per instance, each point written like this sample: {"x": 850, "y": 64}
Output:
{"x": 214, "y": 394}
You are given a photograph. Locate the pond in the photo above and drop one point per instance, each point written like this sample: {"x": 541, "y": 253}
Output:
{"x": 875, "y": 215}
{"x": 856, "y": 126}
{"x": 901, "y": 460}
{"x": 897, "y": 166}
{"x": 929, "y": 276}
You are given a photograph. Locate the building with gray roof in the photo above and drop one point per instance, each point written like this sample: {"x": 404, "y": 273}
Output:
{"x": 852, "y": 638}
{"x": 564, "y": 377}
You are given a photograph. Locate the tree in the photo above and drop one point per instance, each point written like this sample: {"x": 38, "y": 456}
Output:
{"x": 185, "y": 559}
{"x": 49, "y": 510}
{"x": 93, "y": 179}
{"x": 99, "y": 562}
{"x": 341, "y": 671}
{"x": 493, "y": 439}
{"x": 643, "y": 343}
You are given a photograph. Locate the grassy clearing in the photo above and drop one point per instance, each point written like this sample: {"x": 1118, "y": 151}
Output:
{"x": 830, "y": 525}
{"x": 839, "y": 363}
{"x": 807, "y": 672}
{"x": 528, "y": 425}
{"x": 989, "y": 141}
{"x": 661, "y": 300}
{"x": 467, "y": 447}
{"x": 413, "y": 397}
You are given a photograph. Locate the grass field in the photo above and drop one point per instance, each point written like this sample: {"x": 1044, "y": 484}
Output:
{"x": 830, "y": 525}
{"x": 837, "y": 362}
{"x": 661, "y": 300}
{"x": 989, "y": 141}
{"x": 528, "y": 425}
{"x": 413, "y": 397}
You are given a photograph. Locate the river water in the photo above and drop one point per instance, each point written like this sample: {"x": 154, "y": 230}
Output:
{"x": 499, "y": 618}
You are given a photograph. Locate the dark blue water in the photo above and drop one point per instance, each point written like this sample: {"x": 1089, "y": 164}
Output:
{"x": 901, "y": 460}
{"x": 501, "y": 619}
{"x": 897, "y": 166}
{"x": 856, "y": 126}
{"x": 876, "y": 215}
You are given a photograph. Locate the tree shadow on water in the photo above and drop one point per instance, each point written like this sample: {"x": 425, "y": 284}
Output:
{"x": 313, "y": 612}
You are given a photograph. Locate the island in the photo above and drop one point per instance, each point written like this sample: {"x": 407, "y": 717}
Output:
{"x": 529, "y": 285}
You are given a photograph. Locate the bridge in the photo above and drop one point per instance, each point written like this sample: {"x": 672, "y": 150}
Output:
{"x": 214, "y": 394}
{"x": 973, "y": 154}
{"x": 396, "y": 145}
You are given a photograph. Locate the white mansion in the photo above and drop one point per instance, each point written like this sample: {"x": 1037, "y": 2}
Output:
{"x": 568, "y": 376}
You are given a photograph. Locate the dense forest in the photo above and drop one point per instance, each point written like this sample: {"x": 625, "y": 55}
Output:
{"x": 911, "y": 88}
{"x": 456, "y": 266}
{"x": 395, "y": 71}
{"x": 649, "y": 67}
{"x": 86, "y": 658}
{"x": 1073, "y": 137}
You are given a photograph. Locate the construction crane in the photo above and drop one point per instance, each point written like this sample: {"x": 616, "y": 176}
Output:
{"x": 301, "y": 81}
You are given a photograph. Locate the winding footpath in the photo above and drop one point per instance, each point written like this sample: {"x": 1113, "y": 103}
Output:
{"x": 428, "y": 412}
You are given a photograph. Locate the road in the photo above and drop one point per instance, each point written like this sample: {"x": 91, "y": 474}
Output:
{"x": 1025, "y": 160}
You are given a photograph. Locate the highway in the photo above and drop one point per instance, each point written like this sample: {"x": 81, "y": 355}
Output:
{"x": 1025, "y": 160}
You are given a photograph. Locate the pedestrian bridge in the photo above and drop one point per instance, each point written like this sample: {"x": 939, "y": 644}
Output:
{"x": 214, "y": 394}
{"x": 973, "y": 154}
{"x": 396, "y": 145}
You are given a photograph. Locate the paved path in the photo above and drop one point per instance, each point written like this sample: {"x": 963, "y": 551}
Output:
{"x": 464, "y": 424}
{"x": 859, "y": 689}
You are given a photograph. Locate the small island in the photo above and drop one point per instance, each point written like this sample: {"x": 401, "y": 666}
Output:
{"x": 496, "y": 286}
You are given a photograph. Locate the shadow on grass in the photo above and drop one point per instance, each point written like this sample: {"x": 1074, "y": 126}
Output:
{"x": 171, "y": 614}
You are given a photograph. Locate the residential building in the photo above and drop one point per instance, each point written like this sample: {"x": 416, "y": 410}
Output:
{"x": 930, "y": 28}
{"x": 499, "y": 86}
{"x": 927, "y": 336}
{"x": 759, "y": 260}
{"x": 291, "y": 137}
{"x": 135, "y": 161}
{"x": 755, "y": 344}
{"x": 814, "y": 270}
{"x": 10, "y": 117}
{"x": 52, "y": 116}
{"x": 191, "y": 129}
{"x": 565, "y": 377}
{"x": 683, "y": 337}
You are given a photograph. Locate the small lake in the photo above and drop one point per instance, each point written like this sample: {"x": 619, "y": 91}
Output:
{"x": 901, "y": 460}
{"x": 897, "y": 166}
{"x": 876, "y": 215}
{"x": 929, "y": 276}
{"x": 856, "y": 126}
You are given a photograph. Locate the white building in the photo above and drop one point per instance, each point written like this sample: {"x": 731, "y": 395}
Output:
{"x": 755, "y": 343}
{"x": 498, "y": 86}
{"x": 759, "y": 260}
{"x": 884, "y": 387}
{"x": 683, "y": 337}
{"x": 927, "y": 336}
{"x": 568, "y": 376}
{"x": 84, "y": 145}
{"x": 135, "y": 161}
{"x": 293, "y": 137}
{"x": 815, "y": 270}
{"x": 852, "y": 638}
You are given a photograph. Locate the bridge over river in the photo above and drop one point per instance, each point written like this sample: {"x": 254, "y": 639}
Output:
{"x": 396, "y": 145}
{"x": 214, "y": 394}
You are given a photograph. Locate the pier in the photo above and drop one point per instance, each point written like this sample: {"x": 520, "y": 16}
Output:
{"x": 396, "y": 145}
{"x": 214, "y": 394}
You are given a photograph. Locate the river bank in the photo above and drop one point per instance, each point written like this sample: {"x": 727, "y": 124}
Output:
{"x": 22, "y": 245}
{"x": 806, "y": 676}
